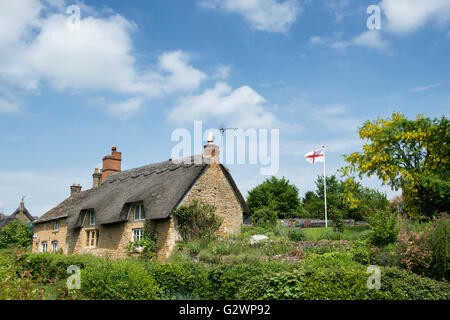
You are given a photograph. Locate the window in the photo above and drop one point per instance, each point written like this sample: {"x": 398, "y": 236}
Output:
{"x": 44, "y": 246}
{"x": 54, "y": 246}
{"x": 138, "y": 234}
{"x": 91, "y": 218}
{"x": 56, "y": 225}
{"x": 91, "y": 238}
{"x": 138, "y": 210}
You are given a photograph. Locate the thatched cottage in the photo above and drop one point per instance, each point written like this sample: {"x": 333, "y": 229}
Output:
{"x": 21, "y": 214}
{"x": 122, "y": 204}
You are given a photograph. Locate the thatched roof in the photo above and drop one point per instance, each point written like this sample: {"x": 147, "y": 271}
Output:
{"x": 160, "y": 186}
{"x": 8, "y": 219}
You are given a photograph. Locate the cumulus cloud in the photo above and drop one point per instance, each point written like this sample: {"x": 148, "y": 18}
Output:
{"x": 38, "y": 46}
{"x": 404, "y": 16}
{"x": 264, "y": 15}
{"x": 242, "y": 107}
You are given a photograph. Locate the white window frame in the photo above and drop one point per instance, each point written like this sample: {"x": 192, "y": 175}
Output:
{"x": 53, "y": 246}
{"x": 139, "y": 208}
{"x": 44, "y": 246}
{"x": 90, "y": 238}
{"x": 92, "y": 218}
{"x": 56, "y": 225}
{"x": 138, "y": 234}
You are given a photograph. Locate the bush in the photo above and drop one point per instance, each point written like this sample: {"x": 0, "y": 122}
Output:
{"x": 123, "y": 280}
{"x": 383, "y": 224}
{"x": 296, "y": 235}
{"x": 426, "y": 252}
{"x": 329, "y": 259}
{"x": 16, "y": 234}
{"x": 331, "y": 235}
{"x": 197, "y": 220}
{"x": 341, "y": 283}
{"x": 179, "y": 279}
{"x": 265, "y": 217}
{"x": 49, "y": 266}
{"x": 336, "y": 217}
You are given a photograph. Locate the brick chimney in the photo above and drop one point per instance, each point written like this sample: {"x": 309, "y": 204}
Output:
{"x": 112, "y": 163}
{"x": 97, "y": 177}
{"x": 210, "y": 150}
{"x": 73, "y": 189}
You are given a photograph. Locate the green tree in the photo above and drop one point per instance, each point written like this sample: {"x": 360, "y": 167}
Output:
{"x": 409, "y": 154}
{"x": 279, "y": 194}
{"x": 347, "y": 197}
{"x": 16, "y": 234}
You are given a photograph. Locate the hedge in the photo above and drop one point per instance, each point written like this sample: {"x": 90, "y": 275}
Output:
{"x": 132, "y": 279}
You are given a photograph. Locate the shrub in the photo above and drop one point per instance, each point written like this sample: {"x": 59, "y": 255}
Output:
{"x": 16, "y": 234}
{"x": 123, "y": 280}
{"x": 296, "y": 235}
{"x": 331, "y": 235}
{"x": 336, "y": 217}
{"x": 329, "y": 259}
{"x": 197, "y": 220}
{"x": 439, "y": 245}
{"x": 426, "y": 252}
{"x": 383, "y": 224}
{"x": 178, "y": 280}
{"x": 146, "y": 248}
{"x": 265, "y": 217}
{"x": 49, "y": 266}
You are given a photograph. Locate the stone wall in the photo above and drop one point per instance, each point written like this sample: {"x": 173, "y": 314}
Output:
{"x": 214, "y": 188}
{"x": 112, "y": 239}
{"x": 46, "y": 232}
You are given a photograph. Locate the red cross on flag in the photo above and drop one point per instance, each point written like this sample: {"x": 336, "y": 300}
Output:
{"x": 315, "y": 156}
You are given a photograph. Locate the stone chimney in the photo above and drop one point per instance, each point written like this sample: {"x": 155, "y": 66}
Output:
{"x": 111, "y": 164}
{"x": 97, "y": 177}
{"x": 210, "y": 150}
{"x": 73, "y": 189}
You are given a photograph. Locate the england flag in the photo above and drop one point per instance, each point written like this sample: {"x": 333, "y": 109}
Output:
{"x": 315, "y": 156}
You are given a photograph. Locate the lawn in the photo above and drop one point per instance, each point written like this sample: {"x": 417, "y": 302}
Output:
{"x": 350, "y": 233}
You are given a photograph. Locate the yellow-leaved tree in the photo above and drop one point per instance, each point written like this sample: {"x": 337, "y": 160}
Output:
{"x": 409, "y": 154}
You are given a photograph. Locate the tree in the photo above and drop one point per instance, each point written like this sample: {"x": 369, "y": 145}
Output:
{"x": 409, "y": 154}
{"x": 347, "y": 197}
{"x": 16, "y": 234}
{"x": 279, "y": 194}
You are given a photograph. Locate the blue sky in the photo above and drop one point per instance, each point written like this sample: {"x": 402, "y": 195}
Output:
{"x": 134, "y": 71}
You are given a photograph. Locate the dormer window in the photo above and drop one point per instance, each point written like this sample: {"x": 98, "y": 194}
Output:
{"x": 137, "y": 209}
{"x": 91, "y": 217}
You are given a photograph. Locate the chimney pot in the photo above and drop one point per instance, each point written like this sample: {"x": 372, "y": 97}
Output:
{"x": 75, "y": 189}
{"x": 210, "y": 150}
{"x": 97, "y": 177}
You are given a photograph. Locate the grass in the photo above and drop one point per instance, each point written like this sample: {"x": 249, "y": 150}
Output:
{"x": 350, "y": 233}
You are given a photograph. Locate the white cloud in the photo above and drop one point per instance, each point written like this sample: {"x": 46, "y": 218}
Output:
{"x": 404, "y": 16}
{"x": 119, "y": 109}
{"x": 9, "y": 106}
{"x": 370, "y": 39}
{"x": 264, "y": 15}
{"x": 242, "y": 107}
{"x": 39, "y": 47}
{"x": 427, "y": 87}
{"x": 222, "y": 72}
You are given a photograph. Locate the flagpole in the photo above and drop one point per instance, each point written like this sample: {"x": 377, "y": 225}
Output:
{"x": 325, "y": 187}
